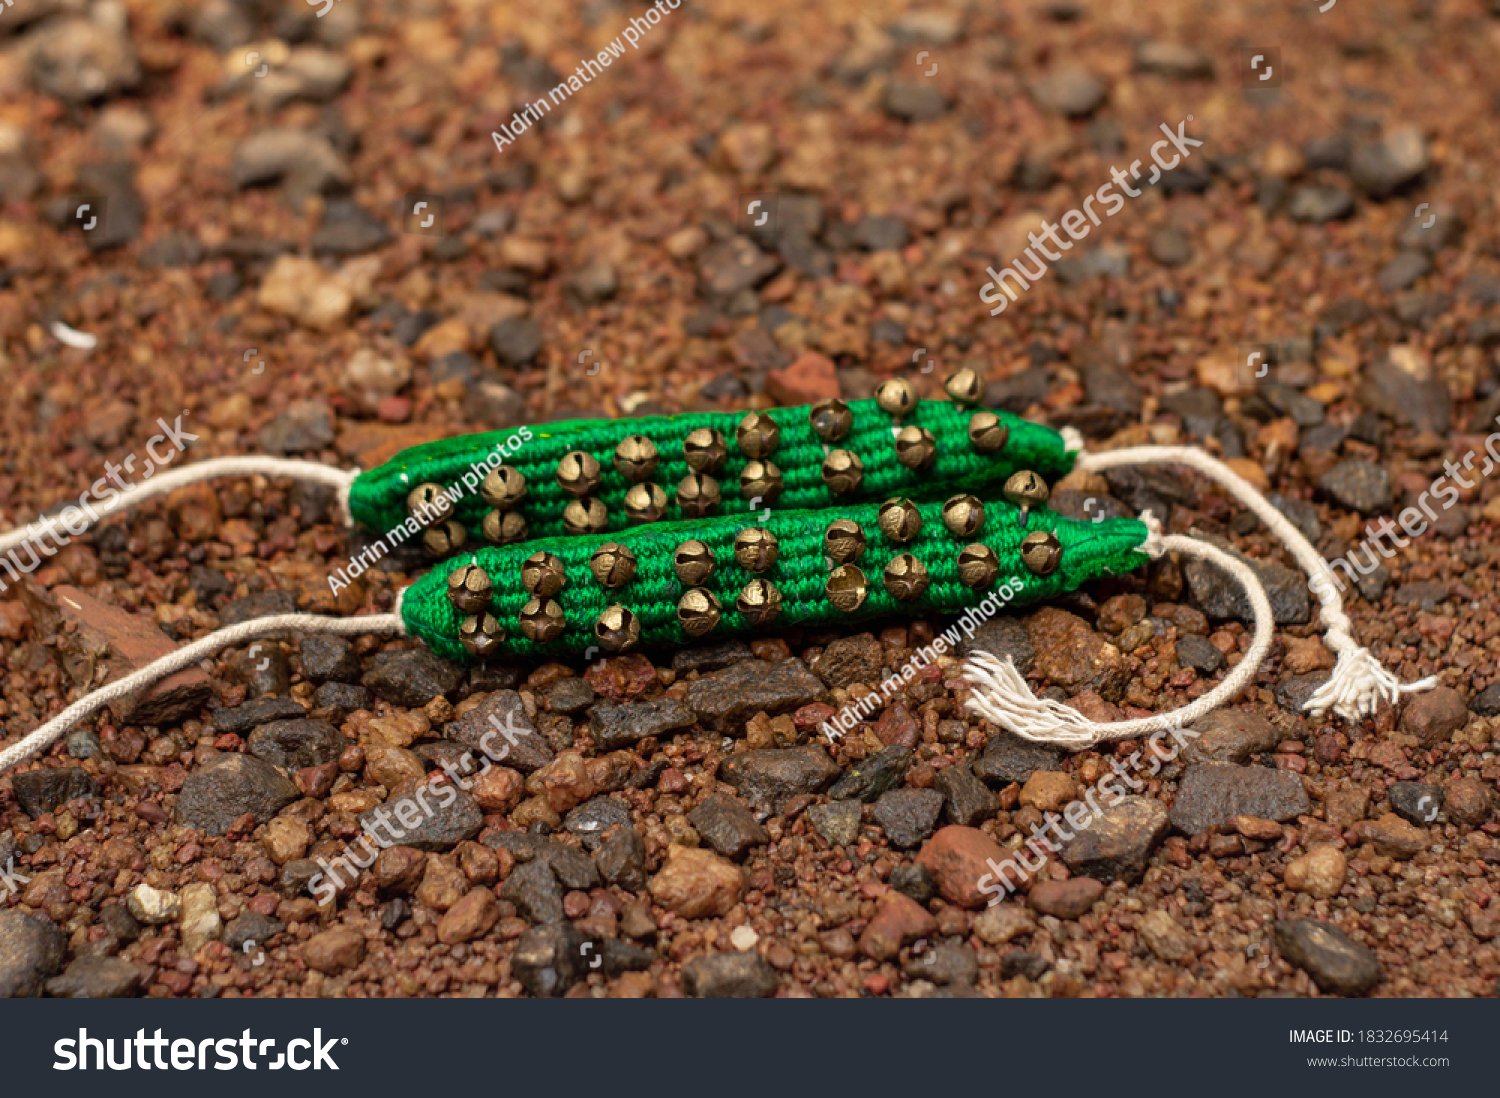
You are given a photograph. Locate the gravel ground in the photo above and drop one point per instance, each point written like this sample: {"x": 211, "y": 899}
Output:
{"x": 675, "y": 824}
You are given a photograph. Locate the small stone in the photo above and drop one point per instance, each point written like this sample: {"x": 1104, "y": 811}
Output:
{"x": 571, "y": 696}
{"x": 837, "y": 821}
{"x": 1393, "y": 836}
{"x": 1196, "y": 652}
{"x": 1337, "y": 964}
{"x": 1468, "y": 801}
{"x": 1416, "y": 802}
{"x": 328, "y": 657}
{"x": 1434, "y": 715}
{"x": 617, "y": 726}
{"x": 484, "y": 728}
{"x": 533, "y": 888}
{"x": 1118, "y": 843}
{"x": 1065, "y": 899}
{"x": 898, "y": 919}
{"x": 441, "y": 823}
{"x": 333, "y": 951}
{"x": 1175, "y": 60}
{"x": 696, "y": 883}
{"x": 348, "y": 229}
{"x": 958, "y": 857}
{"x": 1070, "y": 90}
{"x": 294, "y": 744}
{"x": 516, "y": 341}
{"x": 1320, "y": 205}
{"x": 1380, "y": 168}
{"x": 1219, "y": 596}
{"x": 914, "y": 880}
{"x": 729, "y": 268}
{"x": 472, "y": 917}
{"x": 1049, "y": 791}
{"x": 1231, "y": 736}
{"x": 1002, "y": 637}
{"x": 549, "y": 959}
{"x": 767, "y": 779}
{"x": 966, "y": 800}
{"x": 912, "y": 102}
{"x": 744, "y": 975}
{"x": 41, "y": 791}
{"x": 1163, "y": 936}
{"x": 1215, "y": 793}
{"x": 96, "y": 978}
{"x": 592, "y": 819}
{"x": 305, "y": 161}
{"x": 1358, "y": 485}
{"x": 850, "y": 659}
{"x": 1001, "y": 923}
{"x": 80, "y": 60}
{"x": 152, "y": 906}
{"x": 200, "y": 923}
{"x": 621, "y": 860}
{"x": 724, "y": 700}
{"x": 1071, "y": 655}
{"x": 227, "y": 787}
{"x": 31, "y": 949}
{"x": 728, "y": 826}
{"x": 1402, "y": 271}
{"x": 286, "y": 839}
{"x": 1319, "y": 872}
{"x": 412, "y": 677}
{"x": 1169, "y": 246}
{"x": 908, "y": 815}
{"x": 1008, "y": 758}
{"x": 868, "y": 779}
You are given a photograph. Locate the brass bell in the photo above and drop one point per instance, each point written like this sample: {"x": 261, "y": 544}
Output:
{"x": 704, "y": 450}
{"x": 987, "y": 434}
{"x": 645, "y": 503}
{"x": 503, "y": 488}
{"x": 481, "y": 635}
{"x": 617, "y": 629}
{"x": 693, "y": 563}
{"x": 759, "y": 602}
{"x": 843, "y": 472}
{"x": 698, "y": 612}
{"x": 1041, "y": 552}
{"x": 585, "y": 516}
{"x": 915, "y": 447}
{"x": 963, "y": 516}
{"x": 697, "y": 495}
{"x": 543, "y": 574}
{"x": 542, "y": 620}
{"x": 757, "y": 436}
{"x": 906, "y": 577}
{"x": 578, "y": 473}
{"x": 636, "y": 458}
{"x": 978, "y": 566}
{"x": 844, "y": 541}
{"x": 847, "y": 588}
{"x": 896, "y": 397}
{"x": 1026, "y": 490}
{"x": 445, "y": 539}
{"x": 756, "y": 549}
{"x": 900, "y": 520}
{"x": 470, "y": 589}
{"x": 613, "y": 565}
{"x": 831, "y": 419}
{"x": 427, "y": 503}
{"x": 504, "y": 527}
{"x": 965, "y": 387}
{"x": 760, "y": 480}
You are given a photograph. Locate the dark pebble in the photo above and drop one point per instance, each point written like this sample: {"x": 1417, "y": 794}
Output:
{"x": 96, "y": 978}
{"x": 621, "y": 860}
{"x": 1196, "y": 652}
{"x": 516, "y": 341}
{"x": 590, "y": 820}
{"x": 348, "y": 229}
{"x": 868, "y": 779}
{"x": 908, "y": 815}
{"x": 533, "y": 888}
{"x": 294, "y": 744}
{"x": 768, "y": 779}
{"x": 728, "y": 826}
{"x": 729, "y": 976}
{"x": 31, "y": 949}
{"x": 1337, "y": 964}
{"x": 915, "y": 880}
{"x": 1215, "y": 793}
{"x": 966, "y": 800}
{"x": 412, "y": 677}
{"x": 724, "y": 700}
{"x": 40, "y": 791}
{"x": 570, "y": 696}
{"x": 617, "y": 726}
{"x": 850, "y": 659}
{"x": 837, "y": 821}
{"x": 1416, "y": 802}
{"x": 1008, "y": 758}
{"x": 1117, "y": 844}
{"x": 228, "y": 786}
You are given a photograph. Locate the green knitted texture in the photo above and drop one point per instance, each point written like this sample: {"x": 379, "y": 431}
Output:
{"x": 378, "y": 497}
{"x": 1089, "y": 550}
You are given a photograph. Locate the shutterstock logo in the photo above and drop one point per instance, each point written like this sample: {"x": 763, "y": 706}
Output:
{"x": 188, "y": 1055}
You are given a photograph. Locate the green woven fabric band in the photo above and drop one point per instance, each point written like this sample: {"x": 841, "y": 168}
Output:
{"x": 378, "y": 497}
{"x": 1088, "y": 550}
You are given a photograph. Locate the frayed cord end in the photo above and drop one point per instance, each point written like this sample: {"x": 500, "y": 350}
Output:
{"x": 1359, "y": 686}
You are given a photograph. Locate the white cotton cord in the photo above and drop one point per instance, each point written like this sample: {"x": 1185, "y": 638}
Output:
{"x": 186, "y": 656}
{"x": 1359, "y": 685}
{"x": 172, "y": 479}
{"x": 1002, "y": 696}
{"x": 1072, "y": 439}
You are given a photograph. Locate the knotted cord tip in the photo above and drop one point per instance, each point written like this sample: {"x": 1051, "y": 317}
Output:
{"x": 1359, "y": 686}
{"x": 1072, "y": 439}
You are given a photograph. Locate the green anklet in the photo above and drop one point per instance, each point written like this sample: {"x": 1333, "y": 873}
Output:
{"x": 693, "y": 581}
{"x": 589, "y": 477}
